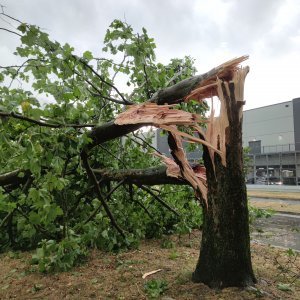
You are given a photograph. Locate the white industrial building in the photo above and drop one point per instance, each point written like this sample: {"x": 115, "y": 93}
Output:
{"x": 272, "y": 134}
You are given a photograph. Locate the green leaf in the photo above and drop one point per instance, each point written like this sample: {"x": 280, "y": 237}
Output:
{"x": 76, "y": 92}
{"x": 34, "y": 218}
{"x": 290, "y": 252}
{"x": 88, "y": 55}
{"x": 104, "y": 234}
{"x": 285, "y": 287}
{"x": 22, "y": 27}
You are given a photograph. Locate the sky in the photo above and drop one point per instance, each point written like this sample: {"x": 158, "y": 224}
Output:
{"x": 211, "y": 31}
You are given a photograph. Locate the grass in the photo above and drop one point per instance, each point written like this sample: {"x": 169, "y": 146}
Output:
{"x": 119, "y": 276}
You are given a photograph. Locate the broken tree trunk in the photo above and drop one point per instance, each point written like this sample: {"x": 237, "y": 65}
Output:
{"x": 225, "y": 248}
{"x": 225, "y": 258}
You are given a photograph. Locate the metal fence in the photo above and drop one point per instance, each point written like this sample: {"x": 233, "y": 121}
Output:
{"x": 278, "y": 148}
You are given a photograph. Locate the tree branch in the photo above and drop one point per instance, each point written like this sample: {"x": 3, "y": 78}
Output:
{"x": 93, "y": 179}
{"x": 130, "y": 190}
{"x": 150, "y": 176}
{"x": 10, "y": 31}
{"x": 147, "y": 81}
{"x": 36, "y": 226}
{"x": 99, "y": 94}
{"x": 93, "y": 214}
{"x": 125, "y": 101}
{"x": 159, "y": 200}
{"x": 25, "y": 189}
{"x": 12, "y": 18}
{"x": 26, "y": 63}
{"x": 41, "y": 123}
{"x": 175, "y": 76}
{"x": 144, "y": 141}
{"x": 114, "y": 156}
{"x": 10, "y": 177}
{"x": 6, "y": 218}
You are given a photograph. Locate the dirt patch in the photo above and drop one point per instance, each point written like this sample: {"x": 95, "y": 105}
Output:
{"x": 274, "y": 194}
{"x": 119, "y": 276}
{"x": 277, "y": 206}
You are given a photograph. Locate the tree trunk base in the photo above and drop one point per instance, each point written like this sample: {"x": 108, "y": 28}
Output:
{"x": 223, "y": 279}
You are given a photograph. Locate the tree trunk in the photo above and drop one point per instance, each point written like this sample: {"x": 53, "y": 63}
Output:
{"x": 225, "y": 258}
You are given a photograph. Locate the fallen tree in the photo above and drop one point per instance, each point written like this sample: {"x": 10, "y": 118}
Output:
{"x": 225, "y": 248}
{"x": 219, "y": 185}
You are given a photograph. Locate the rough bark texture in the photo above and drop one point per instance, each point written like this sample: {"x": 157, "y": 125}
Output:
{"x": 225, "y": 258}
{"x": 151, "y": 176}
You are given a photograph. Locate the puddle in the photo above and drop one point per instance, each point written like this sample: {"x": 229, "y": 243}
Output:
{"x": 279, "y": 230}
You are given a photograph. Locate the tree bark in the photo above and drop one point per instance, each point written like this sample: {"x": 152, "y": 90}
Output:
{"x": 225, "y": 258}
{"x": 151, "y": 176}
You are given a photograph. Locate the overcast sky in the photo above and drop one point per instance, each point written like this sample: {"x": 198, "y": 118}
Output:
{"x": 211, "y": 31}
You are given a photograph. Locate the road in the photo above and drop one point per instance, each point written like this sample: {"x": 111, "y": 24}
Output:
{"x": 282, "y": 229}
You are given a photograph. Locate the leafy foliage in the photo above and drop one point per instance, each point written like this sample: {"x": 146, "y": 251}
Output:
{"x": 47, "y": 106}
{"x": 52, "y": 256}
{"x": 256, "y": 213}
{"x": 155, "y": 287}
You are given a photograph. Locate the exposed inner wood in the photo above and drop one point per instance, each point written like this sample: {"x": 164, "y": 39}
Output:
{"x": 157, "y": 115}
{"x": 196, "y": 179}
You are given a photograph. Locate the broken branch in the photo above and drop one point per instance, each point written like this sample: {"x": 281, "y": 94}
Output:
{"x": 159, "y": 200}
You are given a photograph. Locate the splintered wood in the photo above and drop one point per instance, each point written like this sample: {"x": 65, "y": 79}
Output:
{"x": 153, "y": 114}
{"x": 229, "y": 77}
{"x": 227, "y": 82}
{"x": 196, "y": 178}
{"x": 208, "y": 87}
{"x": 173, "y": 169}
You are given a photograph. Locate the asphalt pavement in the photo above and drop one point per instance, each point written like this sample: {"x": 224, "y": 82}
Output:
{"x": 279, "y": 230}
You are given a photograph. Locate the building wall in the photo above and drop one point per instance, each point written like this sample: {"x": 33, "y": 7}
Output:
{"x": 273, "y": 125}
{"x": 296, "y": 112}
{"x": 162, "y": 145}
{"x": 274, "y": 134}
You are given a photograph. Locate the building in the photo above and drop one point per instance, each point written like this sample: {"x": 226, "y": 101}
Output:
{"x": 272, "y": 134}
{"x": 193, "y": 151}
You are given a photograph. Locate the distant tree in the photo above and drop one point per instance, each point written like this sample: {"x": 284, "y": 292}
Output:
{"x": 67, "y": 172}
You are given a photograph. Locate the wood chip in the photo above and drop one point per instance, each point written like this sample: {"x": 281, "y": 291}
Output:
{"x": 150, "y": 273}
